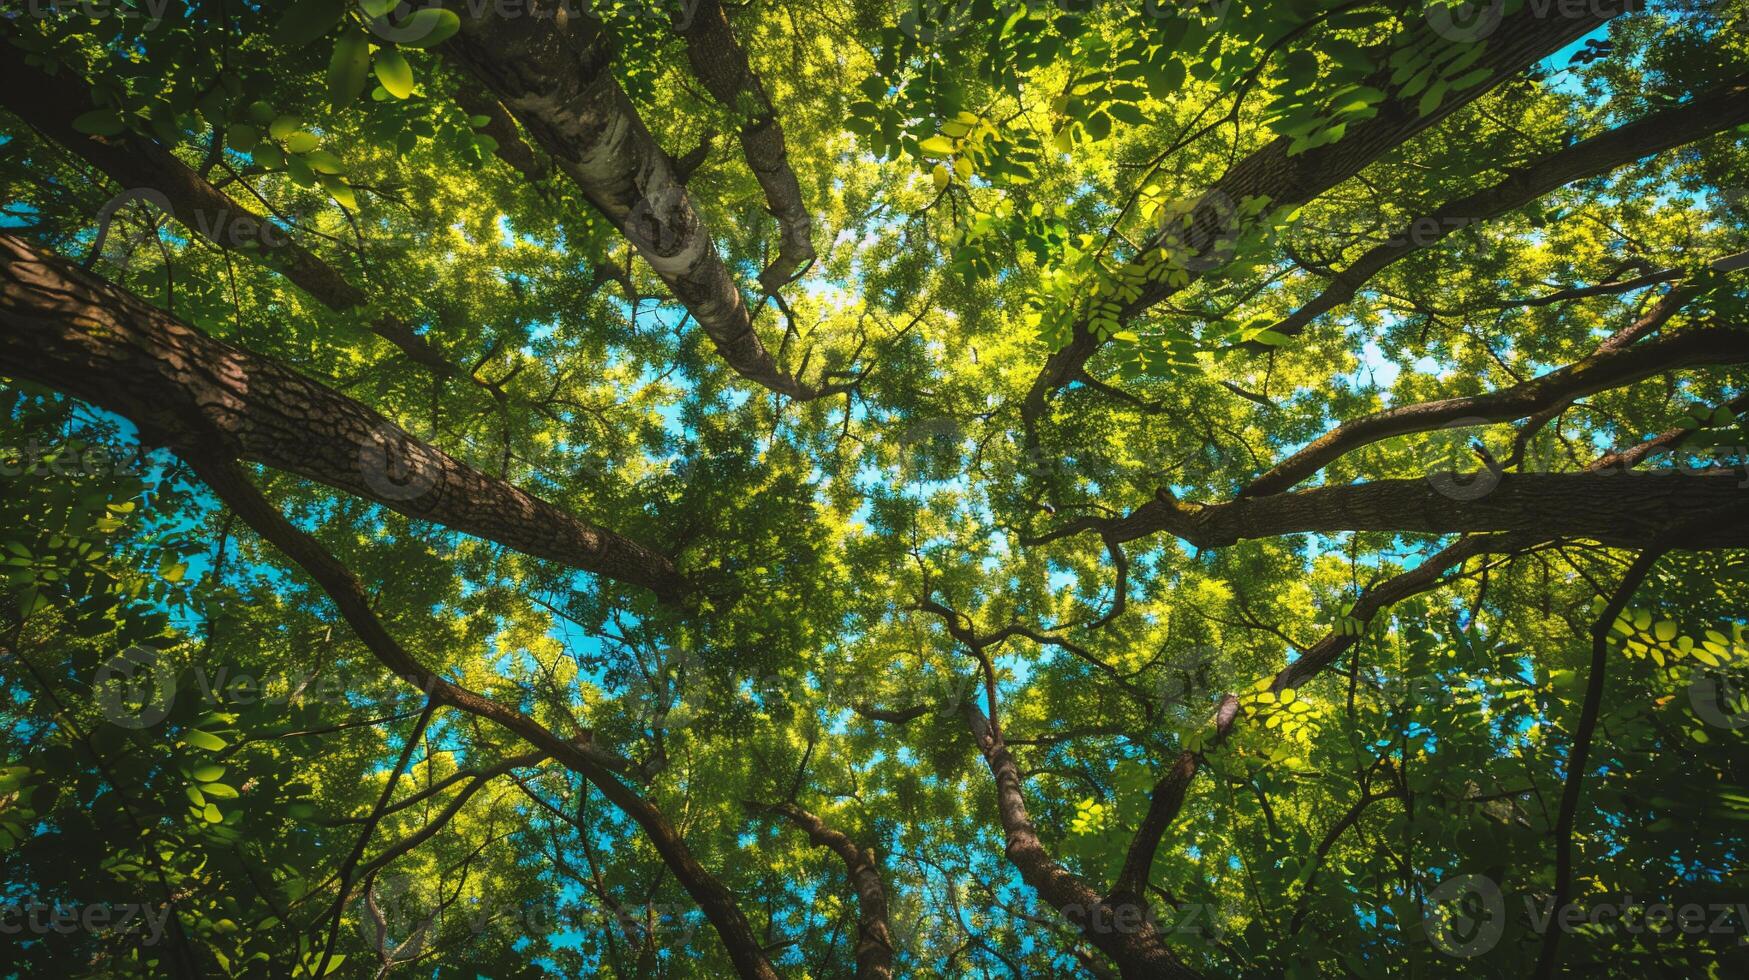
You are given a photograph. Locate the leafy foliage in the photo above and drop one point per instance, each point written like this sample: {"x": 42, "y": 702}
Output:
{"x": 191, "y": 727}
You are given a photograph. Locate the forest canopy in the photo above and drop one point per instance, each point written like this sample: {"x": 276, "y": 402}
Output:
{"x": 937, "y": 488}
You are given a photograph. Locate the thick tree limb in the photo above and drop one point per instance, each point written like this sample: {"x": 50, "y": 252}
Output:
{"x": 721, "y": 65}
{"x": 1519, "y": 41}
{"x": 557, "y": 81}
{"x": 1614, "y": 508}
{"x": 1603, "y": 370}
{"x": 1121, "y": 930}
{"x": 578, "y": 755}
{"x": 874, "y": 938}
{"x": 1716, "y": 110}
{"x": 73, "y": 332}
{"x": 50, "y": 103}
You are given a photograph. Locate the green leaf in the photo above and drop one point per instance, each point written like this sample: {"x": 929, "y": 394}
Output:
{"x": 204, "y": 740}
{"x": 427, "y": 28}
{"x": 348, "y": 68}
{"x": 323, "y": 162}
{"x": 1431, "y": 98}
{"x": 936, "y": 146}
{"x": 393, "y": 71}
{"x": 99, "y": 122}
{"x": 242, "y": 137}
{"x": 340, "y": 191}
{"x": 282, "y": 126}
{"x": 302, "y": 142}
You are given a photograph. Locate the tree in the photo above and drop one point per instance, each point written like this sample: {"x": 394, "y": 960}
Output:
{"x": 864, "y": 489}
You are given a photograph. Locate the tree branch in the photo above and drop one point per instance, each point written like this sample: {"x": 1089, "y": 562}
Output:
{"x": 68, "y": 330}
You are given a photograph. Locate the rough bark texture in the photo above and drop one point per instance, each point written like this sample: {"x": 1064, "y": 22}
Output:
{"x": 874, "y": 938}
{"x": 50, "y": 103}
{"x": 1614, "y": 508}
{"x": 1121, "y": 931}
{"x": 578, "y": 755}
{"x": 721, "y": 65}
{"x": 1518, "y": 42}
{"x": 557, "y": 81}
{"x": 75, "y": 333}
{"x": 1716, "y": 110}
{"x": 1609, "y": 368}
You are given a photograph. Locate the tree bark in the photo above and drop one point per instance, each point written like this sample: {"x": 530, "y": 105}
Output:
{"x": 50, "y": 103}
{"x": 70, "y": 331}
{"x": 721, "y": 65}
{"x": 557, "y": 81}
{"x": 1121, "y": 930}
{"x": 1614, "y": 508}
{"x": 874, "y": 938}
{"x": 1606, "y": 369}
